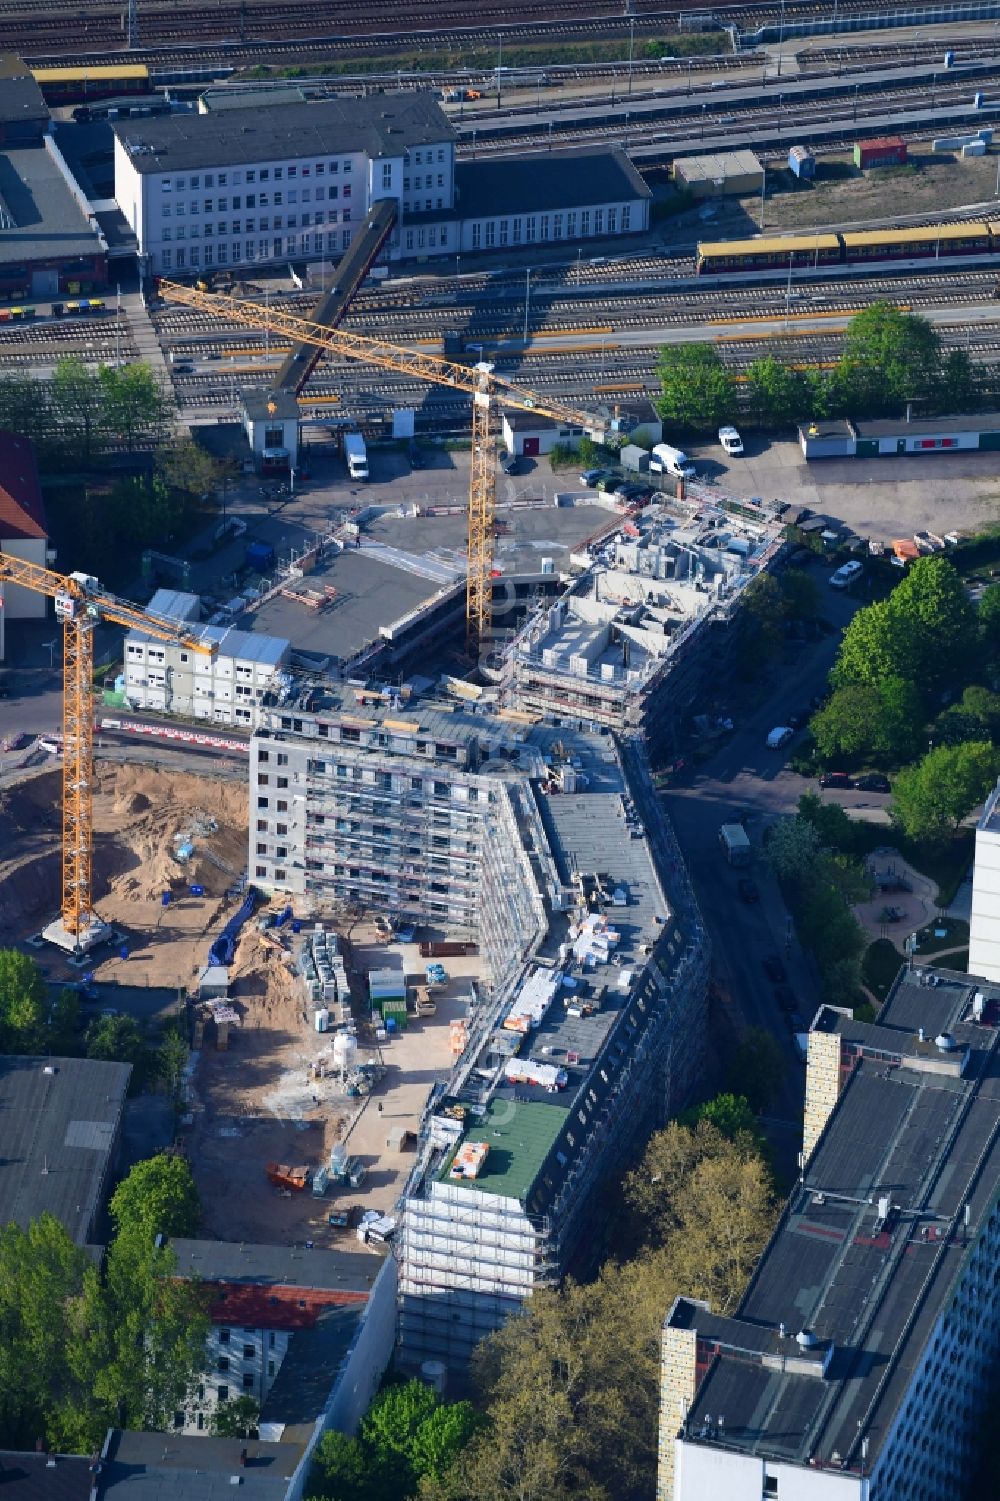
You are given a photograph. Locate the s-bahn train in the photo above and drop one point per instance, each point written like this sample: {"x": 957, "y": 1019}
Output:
{"x": 922, "y": 244}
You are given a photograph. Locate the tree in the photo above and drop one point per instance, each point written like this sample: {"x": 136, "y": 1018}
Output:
{"x": 726, "y": 1218}
{"x": 890, "y": 357}
{"x": 188, "y": 467}
{"x": 799, "y": 595}
{"x": 396, "y": 1415}
{"x": 172, "y": 1058}
{"x": 988, "y": 619}
{"x": 116, "y": 1039}
{"x": 882, "y": 719}
{"x": 957, "y": 388}
{"x": 77, "y": 406}
{"x": 778, "y": 395}
{"x": 793, "y": 846}
{"x": 831, "y": 822}
{"x": 876, "y": 645}
{"x": 237, "y": 1418}
{"x": 62, "y": 1029}
{"x": 729, "y": 1113}
{"x": 757, "y": 1068}
{"x": 158, "y": 1197}
{"x": 933, "y": 600}
{"x": 134, "y": 405}
{"x": 442, "y": 1437}
{"x": 22, "y": 1002}
{"x": 341, "y": 1468}
{"x": 931, "y": 798}
{"x": 697, "y": 390}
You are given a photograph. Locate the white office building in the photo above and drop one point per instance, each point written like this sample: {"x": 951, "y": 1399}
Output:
{"x": 226, "y": 687}
{"x": 277, "y": 182}
{"x": 294, "y": 180}
{"x": 984, "y": 935}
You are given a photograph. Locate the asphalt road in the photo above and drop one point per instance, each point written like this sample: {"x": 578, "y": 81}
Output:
{"x": 745, "y": 779}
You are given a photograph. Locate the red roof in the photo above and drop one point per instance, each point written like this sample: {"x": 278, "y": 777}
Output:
{"x": 22, "y": 513}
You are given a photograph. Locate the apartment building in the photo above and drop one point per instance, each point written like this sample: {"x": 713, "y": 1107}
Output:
{"x": 651, "y": 622}
{"x": 271, "y": 183}
{"x": 984, "y": 923}
{"x": 284, "y": 1320}
{"x": 226, "y": 687}
{"x": 858, "y": 1363}
{"x": 409, "y": 815}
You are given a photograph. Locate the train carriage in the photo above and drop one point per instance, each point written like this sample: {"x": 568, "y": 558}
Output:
{"x": 802, "y": 252}
{"x": 923, "y": 242}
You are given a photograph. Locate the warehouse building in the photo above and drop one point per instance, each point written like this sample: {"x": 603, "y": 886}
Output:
{"x": 722, "y": 172}
{"x": 632, "y": 643}
{"x": 562, "y": 196}
{"x": 858, "y": 1363}
{"x": 24, "y": 115}
{"x": 50, "y": 242}
{"x": 849, "y": 438}
{"x": 62, "y": 1128}
{"x": 226, "y": 687}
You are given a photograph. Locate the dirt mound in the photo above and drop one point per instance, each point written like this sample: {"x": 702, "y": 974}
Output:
{"x": 136, "y": 802}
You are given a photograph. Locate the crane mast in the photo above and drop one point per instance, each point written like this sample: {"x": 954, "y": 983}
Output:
{"x": 81, "y": 604}
{"x": 479, "y": 381}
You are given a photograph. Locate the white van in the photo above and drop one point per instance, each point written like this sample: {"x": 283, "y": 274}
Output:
{"x": 667, "y": 460}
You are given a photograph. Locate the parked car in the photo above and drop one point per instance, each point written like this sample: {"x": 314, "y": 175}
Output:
{"x": 508, "y": 461}
{"x": 589, "y": 478}
{"x": 773, "y": 968}
{"x": 731, "y": 441}
{"x": 837, "y": 779}
{"x": 873, "y": 781}
{"x": 748, "y": 891}
{"x": 785, "y": 997}
{"x": 779, "y": 736}
{"x": 846, "y": 574}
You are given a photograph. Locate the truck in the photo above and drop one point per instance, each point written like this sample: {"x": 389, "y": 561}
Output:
{"x": 356, "y": 455}
{"x": 674, "y": 461}
{"x": 734, "y": 841}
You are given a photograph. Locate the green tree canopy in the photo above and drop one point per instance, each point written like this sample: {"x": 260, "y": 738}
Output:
{"x": 930, "y": 799}
{"x": 918, "y": 634}
{"x": 888, "y": 358}
{"x": 882, "y": 719}
{"x": 729, "y": 1113}
{"x": 697, "y": 392}
{"x": 237, "y": 1418}
{"x": 778, "y": 395}
{"x": 988, "y": 619}
{"x": 23, "y": 1005}
{"x": 158, "y": 1197}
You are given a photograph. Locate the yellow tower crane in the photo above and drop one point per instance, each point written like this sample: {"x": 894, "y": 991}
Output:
{"x": 81, "y": 604}
{"x": 481, "y": 383}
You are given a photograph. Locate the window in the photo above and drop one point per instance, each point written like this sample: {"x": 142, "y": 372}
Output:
{"x": 408, "y": 239}
{"x": 165, "y": 258}
{"x": 529, "y": 228}
{"x": 320, "y": 169}
{"x": 196, "y": 182}
{"x": 248, "y": 1381}
{"x": 585, "y": 221}
{"x": 208, "y": 207}
{"x": 571, "y": 224}
{"x": 503, "y": 231}
{"x": 223, "y": 1394}
{"x": 598, "y": 221}
{"x": 770, "y": 1485}
{"x": 223, "y": 1362}
{"x": 477, "y": 235}
{"x": 223, "y": 1336}
{"x": 516, "y": 236}
{"x": 557, "y": 222}
{"x": 387, "y": 174}
{"x": 222, "y": 179}
{"x": 545, "y": 226}
{"x": 279, "y": 173}
{"x": 347, "y": 190}
{"x": 612, "y": 221}
{"x": 440, "y": 179}
{"x": 320, "y": 194}
{"x": 626, "y": 217}
{"x": 293, "y": 171}
{"x": 265, "y": 174}
{"x": 248, "y": 1352}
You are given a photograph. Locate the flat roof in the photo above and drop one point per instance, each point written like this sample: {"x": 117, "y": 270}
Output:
{"x": 716, "y": 165}
{"x": 826, "y": 427}
{"x": 20, "y": 96}
{"x": 331, "y": 1270}
{"x": 554, "y": 180}
{"x": 32, "y": 1477}
{"x": 61, "y": 1119}
{"x": 520, "y": 1135}
{"x": 870, "y": 1286}
{"x": 48, "y": 223}
{"x": 764, "y": 244}
{"x": 195, "y": 1467}
{"x": 379, "y": 125}
{"x": 975, "y": 422}
{"x": 257, "y": 402}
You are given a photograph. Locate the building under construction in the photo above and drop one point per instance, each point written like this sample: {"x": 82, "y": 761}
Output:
{"x": 650, "y": 624}
{"x": 587, "y": 1028}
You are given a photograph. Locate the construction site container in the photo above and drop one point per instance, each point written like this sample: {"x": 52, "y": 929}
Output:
{"x": 259, "y": 556}
{"x": 322, "y": 1019}
{"x": 283, "y": 1175}
{"x": 446, "y": 950}
{"x": 222, "y": 1036}
{"x": 802, "y": 163}
{"x": 469, "y": 1160}
{"x": 320, "y": 1183}
{"x": 881, "y": 151}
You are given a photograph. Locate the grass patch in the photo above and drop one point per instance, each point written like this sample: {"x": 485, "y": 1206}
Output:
{"x": 529, "y": 55}
{"x": 956, "y": 934}
{"x": 958, "y": 961}
{"x": 881, "y": 964}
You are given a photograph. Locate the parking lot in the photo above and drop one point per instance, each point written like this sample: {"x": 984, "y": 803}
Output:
{"x": 882, "y": 498}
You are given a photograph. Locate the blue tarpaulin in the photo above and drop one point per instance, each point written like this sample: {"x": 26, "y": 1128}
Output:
{"x": 224, "y": 947}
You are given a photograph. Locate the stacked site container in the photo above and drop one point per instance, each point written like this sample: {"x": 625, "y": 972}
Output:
{"x": 802, "y": 163}
{"x": 882, "y": 151}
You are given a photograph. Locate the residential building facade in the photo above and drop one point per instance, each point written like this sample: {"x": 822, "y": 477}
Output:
{"x": 859, "y": 1361}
